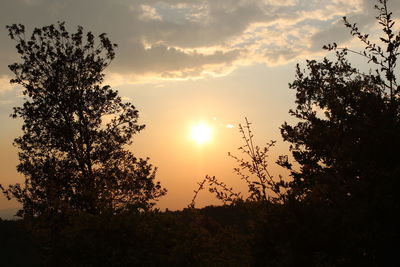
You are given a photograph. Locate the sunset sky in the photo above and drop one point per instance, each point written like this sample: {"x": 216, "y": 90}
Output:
{"x": 190, "y": 62}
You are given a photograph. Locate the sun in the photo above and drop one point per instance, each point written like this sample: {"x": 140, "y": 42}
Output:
{"x": 201, "y": 133}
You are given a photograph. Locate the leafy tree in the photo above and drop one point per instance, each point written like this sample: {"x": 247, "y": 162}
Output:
{"x": 75, "y": 131}
{"x": 346, "y": 146}
{"x": 347, "y": 137}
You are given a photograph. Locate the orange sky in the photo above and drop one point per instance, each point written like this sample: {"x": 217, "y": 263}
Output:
{"x": 171, "y": 108}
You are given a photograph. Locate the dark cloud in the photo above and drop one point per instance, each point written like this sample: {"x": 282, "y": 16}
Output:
{"x": 162, "y": 59}
{"x": 184, "y": 38}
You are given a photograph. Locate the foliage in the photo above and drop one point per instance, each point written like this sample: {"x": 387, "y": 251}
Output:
{"x": 346, "y": 144}
{"x": 253, "y": 169}
{"x": 210, "y": 236}
{"x": 347, "y": 137}
{"x": 16, "y": 241}
{"x": 75, "y": 131}
{"x": 246, "y": 234}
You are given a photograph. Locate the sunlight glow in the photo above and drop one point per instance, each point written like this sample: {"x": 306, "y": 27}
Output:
{"x": 201, "y": 133}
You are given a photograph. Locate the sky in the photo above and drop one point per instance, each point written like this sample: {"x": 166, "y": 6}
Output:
{"x": 185, "y": 62}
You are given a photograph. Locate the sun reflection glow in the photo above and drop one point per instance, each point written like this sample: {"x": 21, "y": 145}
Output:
{"x": 201, "y": 133}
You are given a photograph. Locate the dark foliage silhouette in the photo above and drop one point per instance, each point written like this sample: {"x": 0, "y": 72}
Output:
{"x": 206, "y": 237}
{"x": 349, "y": 120}
{"x": 73, "y": 150}
{"x": 346, "y": 145}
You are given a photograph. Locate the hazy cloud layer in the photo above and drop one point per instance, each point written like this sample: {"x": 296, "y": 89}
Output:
{"x": 5, "y": 84}
{"x": 177, "y": 39}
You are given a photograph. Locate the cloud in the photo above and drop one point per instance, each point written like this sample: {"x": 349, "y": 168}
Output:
{"x": 5, "y": 85}
{"x": 166, "y": 60}
{"x": 8, "y": 92}
{"x": 149, "y": 13}
{"x": 180, "y": 39}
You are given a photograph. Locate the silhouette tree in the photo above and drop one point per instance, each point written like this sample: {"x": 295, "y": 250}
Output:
{"x": 346, "y": 147}
{"x": 347, "y": 138}
{"x": 73, "y": 150}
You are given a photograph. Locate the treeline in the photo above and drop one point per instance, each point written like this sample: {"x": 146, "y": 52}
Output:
{"x": 244, "y": 234}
